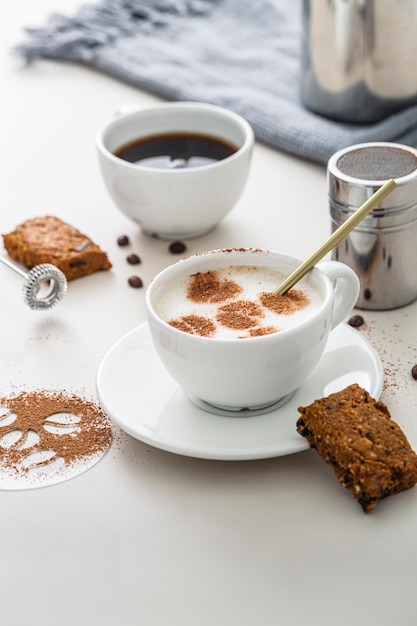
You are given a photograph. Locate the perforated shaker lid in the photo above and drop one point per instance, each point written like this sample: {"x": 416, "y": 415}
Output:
{"x": 356, "y": 172}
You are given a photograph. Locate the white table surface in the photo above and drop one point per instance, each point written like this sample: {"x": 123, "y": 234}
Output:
{"x": 146, "y": 536}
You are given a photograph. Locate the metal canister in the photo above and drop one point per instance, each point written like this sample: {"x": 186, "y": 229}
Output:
{"x": 382, "y": 249}
{"x": 359, "y": 58}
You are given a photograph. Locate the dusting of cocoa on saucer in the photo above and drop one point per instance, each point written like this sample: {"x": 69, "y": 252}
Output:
{"x": 208, "y": 287}
{"x": 89, "y": 433}
{"x": 194, "y": 325}
{"x": 285, "y": 304}
{"x": 240, "y": 315}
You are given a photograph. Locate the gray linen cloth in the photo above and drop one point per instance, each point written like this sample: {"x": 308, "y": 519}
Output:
{"x": 240, "y": 54}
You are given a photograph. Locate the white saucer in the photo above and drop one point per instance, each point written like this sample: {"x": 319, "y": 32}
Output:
{"x": 139, "y": 395}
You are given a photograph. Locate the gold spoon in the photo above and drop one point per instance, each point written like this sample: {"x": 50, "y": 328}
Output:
{"x": 336, "y": 237}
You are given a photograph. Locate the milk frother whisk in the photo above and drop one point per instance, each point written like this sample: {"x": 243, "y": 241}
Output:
{"x": 36, "y": 294}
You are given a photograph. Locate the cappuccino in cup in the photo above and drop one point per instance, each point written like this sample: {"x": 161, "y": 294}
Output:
{"x": 236, "y": 302}
{"x": 244, "y": 347}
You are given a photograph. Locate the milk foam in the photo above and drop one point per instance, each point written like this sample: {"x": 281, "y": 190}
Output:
{"x": 174, "y": 304}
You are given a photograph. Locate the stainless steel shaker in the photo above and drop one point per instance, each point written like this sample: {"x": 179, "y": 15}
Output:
{"x": 359, "y": 58}
{"x": 382, "y": 249}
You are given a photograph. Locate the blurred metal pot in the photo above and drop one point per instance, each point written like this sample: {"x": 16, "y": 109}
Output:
{"x": 359, "y": 58}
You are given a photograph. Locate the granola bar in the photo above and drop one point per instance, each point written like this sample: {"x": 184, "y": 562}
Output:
{"x": 355, "y": 435}
{"x": 50, "y": 240}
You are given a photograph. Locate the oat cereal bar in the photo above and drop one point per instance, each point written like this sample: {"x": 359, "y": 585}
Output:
{"x": 50, "y": 240}
{"x": 356, "y": 436}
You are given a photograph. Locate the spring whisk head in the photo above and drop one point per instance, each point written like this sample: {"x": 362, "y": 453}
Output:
{"x": 45, "y": 285}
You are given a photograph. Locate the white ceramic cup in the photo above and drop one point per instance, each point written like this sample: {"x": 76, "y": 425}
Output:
{"x": 176, "y": 203}
{"x": 250, "y": 373}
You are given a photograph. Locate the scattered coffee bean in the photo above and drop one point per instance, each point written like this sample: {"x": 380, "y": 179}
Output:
{"x": 177, "y": 247}
{"x": 123, "y": 240}
{"x": 356, "y": 321}
{"x": 133, "y": 259}
{"x": 135, "y": 281}
{"x": 414, "y": 372}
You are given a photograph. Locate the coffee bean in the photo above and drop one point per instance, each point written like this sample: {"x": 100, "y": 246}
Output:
{"x": 414, "y": 372}
{"x": 123, "y": 240}
{"x": 135, "y": 281}
{"x": 356, "y": 321}
{"x": 177, "y": 247}
{"x": 133, "y": 259}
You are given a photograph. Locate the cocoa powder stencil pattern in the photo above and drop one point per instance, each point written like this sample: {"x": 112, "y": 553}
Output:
{"x": 51, "y": 428}
{"x": 48, "y": 437}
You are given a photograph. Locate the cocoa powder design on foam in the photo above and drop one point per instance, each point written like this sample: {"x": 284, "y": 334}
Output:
{"x": 285, "y": 304}
{"x": 195, "y": 325}
{"x": 239, "y": 315}
{"x": 259, "y": 331}
{"x": 208, "y": 287}
{"x": 34, "y": 412}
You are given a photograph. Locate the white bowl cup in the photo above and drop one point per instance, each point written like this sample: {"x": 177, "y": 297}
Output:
{"x": 176, "y": 203}
{"x": 256, "y": 372}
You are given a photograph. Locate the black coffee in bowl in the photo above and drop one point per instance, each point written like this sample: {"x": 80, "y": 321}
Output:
{"x": 175, "y": 151}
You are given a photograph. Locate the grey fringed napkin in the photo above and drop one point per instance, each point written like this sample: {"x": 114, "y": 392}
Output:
{"x": 241, "y": 54}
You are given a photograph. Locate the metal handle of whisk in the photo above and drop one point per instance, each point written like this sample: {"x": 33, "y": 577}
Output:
{"x": 32, "y": 294}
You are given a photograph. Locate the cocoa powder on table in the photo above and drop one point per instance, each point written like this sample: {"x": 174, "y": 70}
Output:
{"x": 89, "y": 430}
